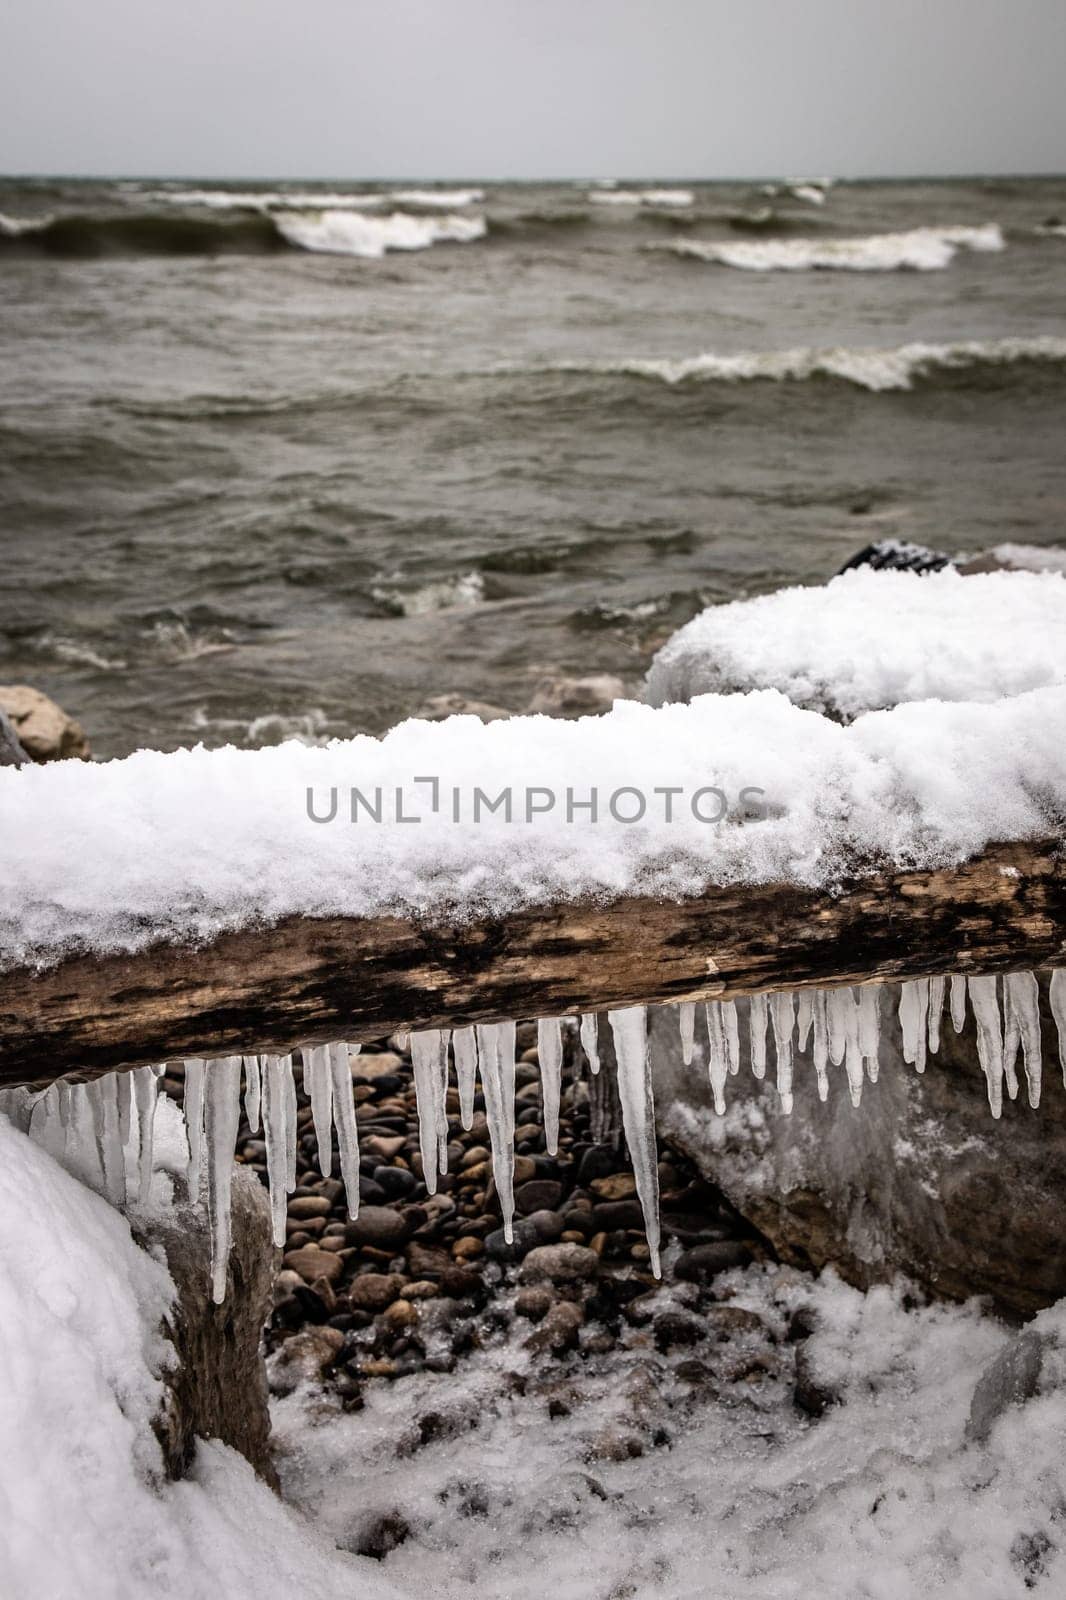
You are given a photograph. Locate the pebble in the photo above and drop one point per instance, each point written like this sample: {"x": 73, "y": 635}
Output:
{"x": 559, "y": 1263}
{"x": 310, "y": 1263}
{"x": 380, "y": 1226}
{"x": 373, "y": 1291}
{"x": 618, "y": 1186}
{"x": 705, "y": 1261}
{"x": 309, "y": 1205}
{"x": 539, "y": 1194}
{"x": 534, "y": 1302}
{"x": 559, "y": 1329}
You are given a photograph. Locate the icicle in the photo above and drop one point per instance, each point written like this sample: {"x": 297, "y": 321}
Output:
{"x": 783, "y": 1015}
{"x": 101, "y": 1097}
{"x": 146, "y": 1096}
{"x": 550, "y": 1055}
{"x": 914, "y": 1020}
{"x": 124, "y": 1102}
{"x": 425, "y": 1059}
{"x": 1057, "y": 996}
{"x": 804, "y": 1019}
{"x": 253, "y": 1093}
{"x": 194, "y": 1125}
{"x": 291, "y": 1130}
{"x": 982, "y": 992}
{"x": 686, "y": 1016}
{"x": 495, "y": 1044}
{"x": 630, "y": 1032}
{"x": 958, "y": 1002}
{"x": 589, "y": 1029}
{"x": 870, "y": 1027}
{"x": 318, "y": 1086}
{"x": 937, "y": 991}
{"x": 717, "y": 1054}
{"x": 275, "y": 1129}
{"x": 223, "y": 1114}
{"x": 758, "y": 1016}
{"x": 1021, "y": 1007}
{"x": 464, "y": 1048}
{"x": 731, "y": 1029}
{"x": 837, "y": 1021}
{"x": 344, "y": 1117}
{"x": 820, "y": 1048}
{"x": 442, "y": 1101}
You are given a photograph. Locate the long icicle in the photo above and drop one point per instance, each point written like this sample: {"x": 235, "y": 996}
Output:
{"x": 1021, "y": 1005}
{"x": 914, "y": 1021}
{"x": 425, "y": 1060}
{"x": 758, "y": 1016}
{"x": 731, "y": 1030}
{"x": 717, "y": 1055}
{"x": 937, "y": 991}
{"x": 291, "y": 1129}
{"x": 495, "y": 1044}
{"x": 550, "y": 1056}
{"x": 442, "y": 1101}
{"x": 146, "y": 1097}
{"x": 275, "y": 1129}
{"x": 193, "y": 1108}
{"x": 253, "y": 1092}
{"x": 318, "y": 1086}
{"x": 464, "y": 1048}
{"x": 783, "y": 1016}
{"x": 223, "y": 1112}
{"x": 686, "y": 1017}
{"x": 340, "y": 1054}
{"x": 820, "y": 1046}
{"x": 630, "y": 1031}
{"x": 589, "y": 1031}
{"x": 870, "y": 1027}
{"x": 958, "y": 1002}
{"x": 982, "y": 993}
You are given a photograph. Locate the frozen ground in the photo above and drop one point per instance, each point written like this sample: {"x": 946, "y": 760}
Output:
{"x": 690, "y": 1472}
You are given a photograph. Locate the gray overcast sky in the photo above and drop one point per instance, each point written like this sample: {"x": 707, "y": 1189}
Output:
{"x": 532, "y": 88}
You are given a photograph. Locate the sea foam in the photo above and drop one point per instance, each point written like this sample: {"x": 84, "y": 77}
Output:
{"x": 919, "y": 250}
{"x": 350, "y": 233}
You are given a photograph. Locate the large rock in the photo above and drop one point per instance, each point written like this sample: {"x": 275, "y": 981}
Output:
{"x": 217, "y": 1388}
{"x": 43, "y": 729}
{"x": 918, "y": 1180}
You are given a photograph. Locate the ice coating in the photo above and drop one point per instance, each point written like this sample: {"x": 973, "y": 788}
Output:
{"x": 222, "y": 1116}
{"x": 589, "y": 1034}
{"x": 550, "y": 1055}
{"x": 630, "y": 1031}
{"x": 464, "y": 1049}
{"x": 496, "y": 1046}
{"x": 425, "y": 1061}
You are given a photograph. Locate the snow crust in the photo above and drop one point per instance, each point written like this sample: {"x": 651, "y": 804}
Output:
{"x": 84, "y": 1511}
{"x": 118, "y": 855}
{"x": 870, "y": 639}
{"x": 740, "y": 1496}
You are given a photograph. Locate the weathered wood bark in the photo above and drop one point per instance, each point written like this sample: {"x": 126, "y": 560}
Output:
{"x": 303, "y": 979}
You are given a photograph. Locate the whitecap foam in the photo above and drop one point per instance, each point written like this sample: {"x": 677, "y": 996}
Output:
{"x": 444, "y": 594}
{"x": 13, "y": 226}
{"x": 642, "y": 197}
{"x": 920, "y": 250}
{"x": 350, "y": 233}
{"x": 437, "y": 199}
{"x": 268, "y": 200}
{"x": 869, "y": 368}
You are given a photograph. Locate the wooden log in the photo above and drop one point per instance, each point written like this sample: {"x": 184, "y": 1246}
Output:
{"x": 311, "y": 980}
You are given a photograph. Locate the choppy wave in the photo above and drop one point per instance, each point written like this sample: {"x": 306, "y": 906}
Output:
{"x": 813, "y": 191}
{"x": 642, "y": 197}
{"x": 877, "y": 370}
{"x": 339, "y": 232}
{"x": 349, "y": 233}
{"x": 919, "y": 250}
{"x": 317, "y": 199}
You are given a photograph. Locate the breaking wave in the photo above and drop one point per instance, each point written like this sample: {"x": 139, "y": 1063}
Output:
{"x": 920, "y": 250}
{"x": 238, "y": 231}
{"x": 317, "y": 199}
{"x": 873, "y": 369}
{"x": 443, "y": 594}
{"x": 349, "y": 233}
{"x": 642, "y": 197}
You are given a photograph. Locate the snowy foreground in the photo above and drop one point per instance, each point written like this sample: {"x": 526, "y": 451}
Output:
{"x": 673, "y": 1474}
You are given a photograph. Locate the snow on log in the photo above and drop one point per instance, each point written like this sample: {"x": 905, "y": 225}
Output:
{"x": 308, "y": 980}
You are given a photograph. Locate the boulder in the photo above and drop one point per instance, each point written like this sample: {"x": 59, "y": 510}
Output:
{"x": 217, "y": 1388}
{"x": 42, "y": 728}
{"x": 919, "y": 1180}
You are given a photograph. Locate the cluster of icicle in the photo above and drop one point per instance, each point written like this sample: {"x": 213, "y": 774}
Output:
{"x": 111, "y": 1118}
{"x": 843, "y": 1027}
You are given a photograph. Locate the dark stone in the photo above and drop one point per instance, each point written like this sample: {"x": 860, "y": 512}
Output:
{"x": 371, "y": 1193}
{"x": 526, "y": 1238}
{"x": 380, "y": 1226}
{"x": 801, "y": 1324}
{"x": 541, "y": 1194}
{"x": 705, "y": 1261}
{"x": 610, "y": 1215}
{"x": 598, "y": 1161}
{"x": 808, "y": 1394}
{"x": 383, "y": 1534}
{"x": 676, "y": 1328}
